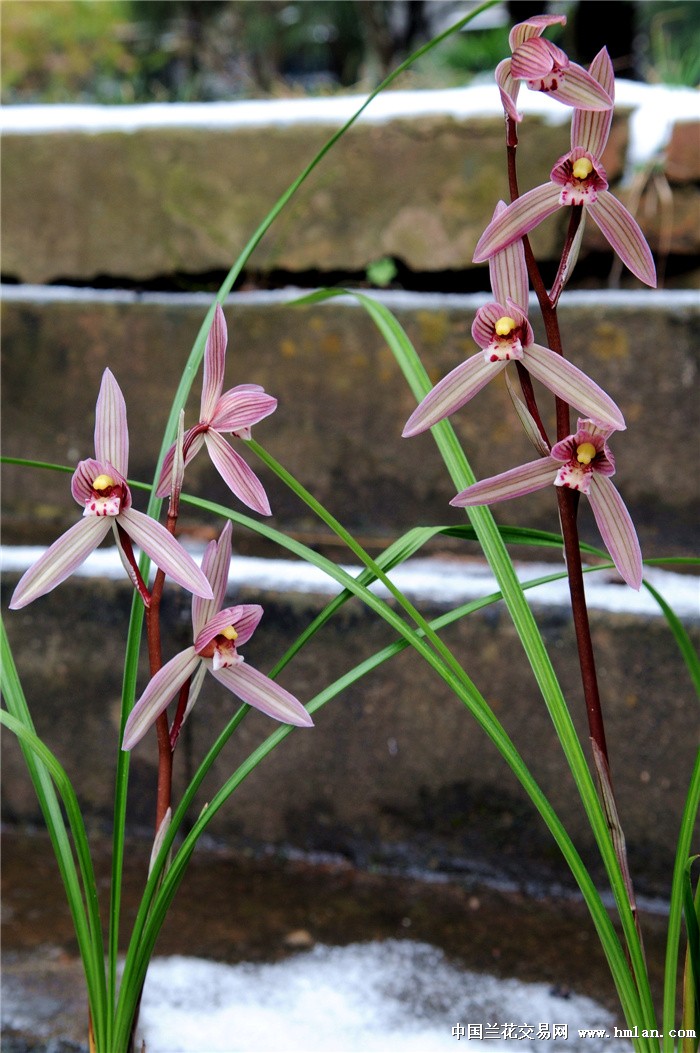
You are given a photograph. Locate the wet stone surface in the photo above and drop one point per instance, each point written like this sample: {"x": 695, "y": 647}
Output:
{"x": 265, "y": 908}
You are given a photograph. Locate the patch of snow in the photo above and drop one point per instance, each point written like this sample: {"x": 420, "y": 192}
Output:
{"x": 394, "y": 995}
{"x": 655, "y": 109}
{"x": 396, "y": 299}
{"x": 443, "y": 582}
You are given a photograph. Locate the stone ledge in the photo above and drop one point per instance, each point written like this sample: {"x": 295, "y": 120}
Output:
{"x": 141, "y": 192}
{"x": 394, "y": 764}
{"x": 342, "y": 404}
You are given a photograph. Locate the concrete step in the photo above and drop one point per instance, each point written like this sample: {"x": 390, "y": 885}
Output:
{"x": 139, "y": 192}
{"x": 395, "y": 771}
{"x": 342, "y": 405}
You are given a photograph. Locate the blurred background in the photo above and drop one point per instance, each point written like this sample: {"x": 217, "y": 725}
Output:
{"x": 130, "y": 51}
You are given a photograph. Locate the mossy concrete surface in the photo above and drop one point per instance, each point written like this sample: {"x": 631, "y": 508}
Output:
{"x": 342, "y": 406}
{"x": 139, "y": 205}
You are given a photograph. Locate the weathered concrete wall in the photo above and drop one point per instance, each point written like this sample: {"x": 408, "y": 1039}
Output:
{"x": 342, "y": 405}
{"x": 395, "y": 767}
{"x": 160, "y": 200}
{"x": 395, "y": 759}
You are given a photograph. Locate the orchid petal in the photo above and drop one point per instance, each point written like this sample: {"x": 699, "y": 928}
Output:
{"x": 508, "y": 271}
{"x": 517, "y": 220}
{"x": 516, "y": 312}
{"x": 485, "y": 321}
{"x": 590, "y": 128}
{"x": 533, "y": 27}
{"x": 451, "y": 393}
{"x": 236, "y": 474}
{"x": 616, "y": 529}
{"x": 258, "y": 690}
{"x": 164, "y": 685}
{"x": 624, "y": 235}
{"x": 215, "y": 566}
{"x": 242, "y": 406}
{"x": 111, "y": 432}
{"x": 60, "y": 560}
{"x": 572, "y": 385}
{"x": 244, "y": 618}
{"x": 578, "y": 88}
{"x": 86, "y": 473}
{"x": 535, "y": 58}
{"x": 193, "y": 446}
{"x": 165, "y": 551}
{"x": 524, "y": 479}
{"x": 214, "y": 365}
{"x": 509, "y": 88}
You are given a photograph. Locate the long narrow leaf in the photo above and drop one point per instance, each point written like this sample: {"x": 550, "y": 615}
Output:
{"x": 692, "y": 927}
{"x": 153, "y": 918}
{"x": 45, "y": 771}
{"x": 466, "y": 686}
{"x": 687, "y": 829}
{"x": 532, "y": 642}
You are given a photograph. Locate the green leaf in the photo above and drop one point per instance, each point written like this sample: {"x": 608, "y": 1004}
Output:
{"x": 152, "y": 919}
{"x": 45, "y": 771}
{"x": 531, "y": 639}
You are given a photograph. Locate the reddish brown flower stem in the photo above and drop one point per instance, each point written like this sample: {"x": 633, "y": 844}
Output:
{"x": 165, "y": 750}
{"x": 567, "y": 499}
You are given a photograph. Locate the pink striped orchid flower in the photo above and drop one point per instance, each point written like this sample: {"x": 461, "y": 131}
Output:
{"x": 217, "y": 636}
{"x": 99, "y": 486}
{"x": 503, "y": 332}
{"x": 234, "y": 411}
{"x": 578, "y": 178}
{"x": 545, "y": 67}
{"x": 581, "y": 462}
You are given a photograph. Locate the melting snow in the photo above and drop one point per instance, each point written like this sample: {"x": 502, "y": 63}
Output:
{"x": 429, "y": 580}
{"x": 395, "y": 995}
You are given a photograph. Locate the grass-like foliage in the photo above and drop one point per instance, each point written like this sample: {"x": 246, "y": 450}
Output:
{"x": 576, "y": 462}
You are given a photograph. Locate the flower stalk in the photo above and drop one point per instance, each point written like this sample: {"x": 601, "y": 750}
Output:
{"x": 568, "y": 500}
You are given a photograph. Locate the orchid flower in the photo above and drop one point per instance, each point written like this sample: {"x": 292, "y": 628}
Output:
{"x": 545, "y": 67}
{"x": 578, "y": 178}
{"x": 217, "y": 636}
{"x": 100, "y": 488}
{"x": 503, "y": 333}
{"x": 580, "y": 462}
{"x": 234, "y": 411}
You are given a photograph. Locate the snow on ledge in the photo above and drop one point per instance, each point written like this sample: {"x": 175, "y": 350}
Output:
{"x": 655, "y": 108}
{"x": 443, "y": 582}
{"x": 396, "y": 299}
